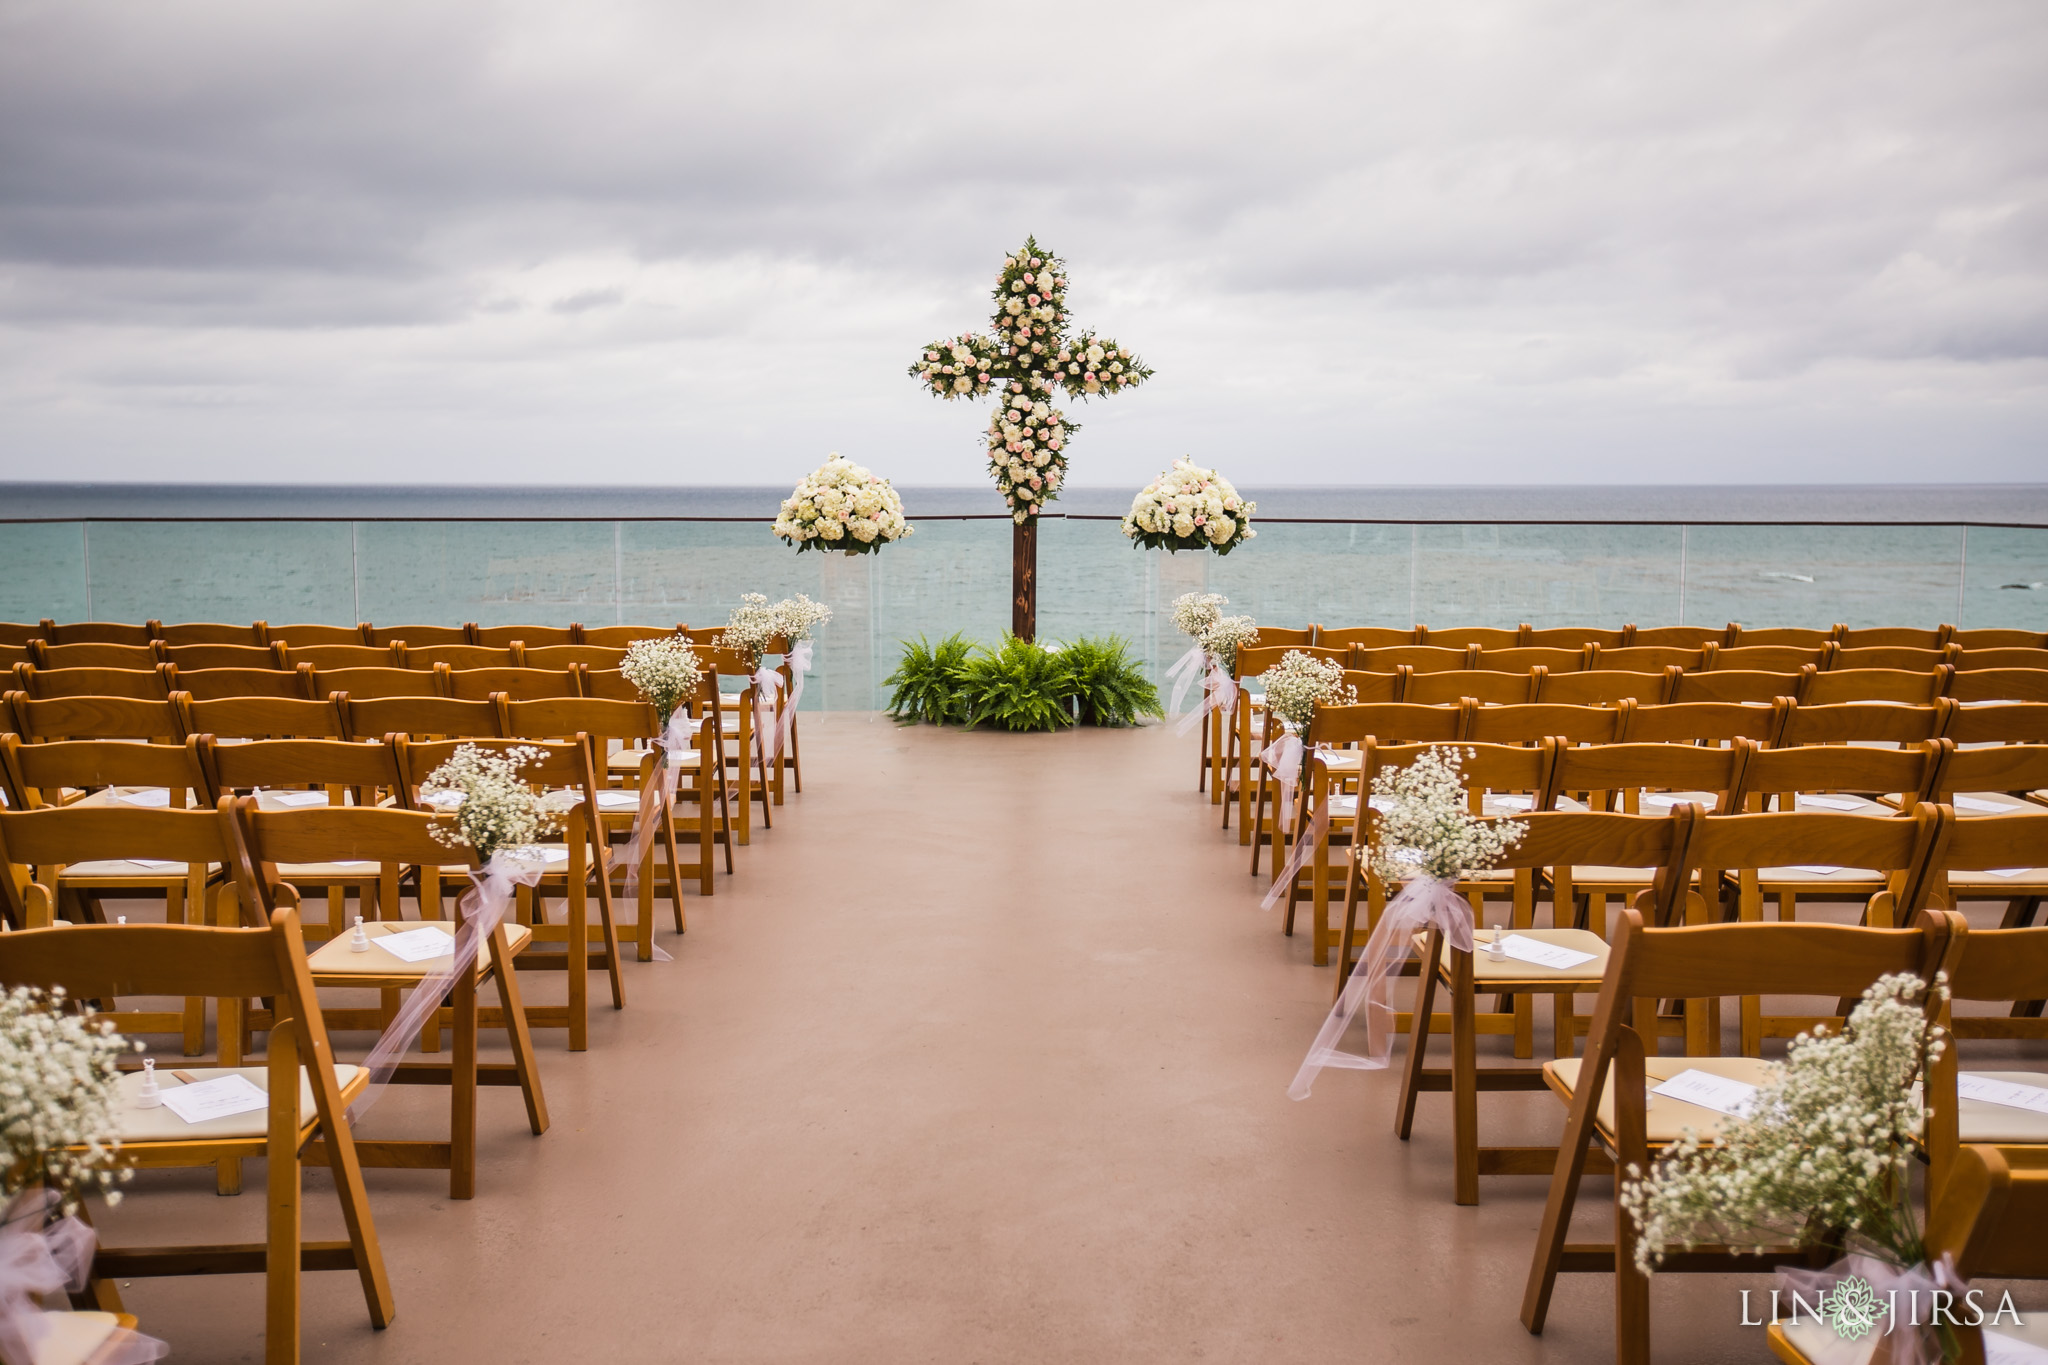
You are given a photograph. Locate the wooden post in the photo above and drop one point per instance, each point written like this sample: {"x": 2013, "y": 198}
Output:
{"x": 1024, "y": 579}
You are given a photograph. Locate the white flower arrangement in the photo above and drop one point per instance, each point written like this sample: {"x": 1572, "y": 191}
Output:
{"x": 1190, "y": 508}
{"x": 1301, "y": 682}
{"x": 799, "y": 616}
{"x": 666, "y": 671}
{"x": 1195, "y": 612}
{"x": 1229, "y": 634}
{"x": 1425, "y": 825}
{"x": 1827, "y": 1144}
{"x": 842, "y": 506}
{"x": 751, "y": 629}
{"x": 58, "y": 1088}
{"x": 1029, "y": 359}
{"x": 494, "y": 808}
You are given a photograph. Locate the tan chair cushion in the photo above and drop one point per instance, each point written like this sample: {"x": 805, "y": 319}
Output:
{"x": 1666, "y": 1117}
{"x": 1487, "y": 973}
{"x": 125, "y": 872}
{"x": 161, "y": 1125}
{"x": 1611, "y": 879}
{"x": 336, "y": 958}
{"x": 73, "y": 1338}
{"x": 1983, "y": 1122}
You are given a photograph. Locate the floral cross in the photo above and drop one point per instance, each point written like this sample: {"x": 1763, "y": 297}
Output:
{"x": 1028, "y": 361}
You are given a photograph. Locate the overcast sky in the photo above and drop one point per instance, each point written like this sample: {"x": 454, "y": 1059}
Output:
{"x": 1360, "y": 242}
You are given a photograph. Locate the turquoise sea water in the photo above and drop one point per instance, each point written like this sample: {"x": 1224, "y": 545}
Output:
{"x": 1466, "y": 557}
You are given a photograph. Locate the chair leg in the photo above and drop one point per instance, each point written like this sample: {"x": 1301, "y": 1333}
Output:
{"x": 675, "y": 868}
{"x": 462, "y": 1087}
{"x": 609, "y": 930}
{"x": 643, "y": 931}
{"x": 1464, "y": 1079}
{"x": 796, "y": 758}
{"x": 1418, "y": 1036}
{"x": 522, "y": 1038}
{"x": 282, "y": 1217}
{"x": 579, "y": 968}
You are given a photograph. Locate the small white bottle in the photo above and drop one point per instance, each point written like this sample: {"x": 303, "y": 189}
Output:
{"x": 149, "y": 1096}
{"x": 1497, "y": 950}
{"x": 359, "y": 941}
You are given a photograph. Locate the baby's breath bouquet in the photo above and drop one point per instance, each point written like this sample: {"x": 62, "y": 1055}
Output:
{"x": 1195, "y": 612}
{"x": 1300, "y": 682}
{"x": 841, "y": 506}
{"x": 1225, "y": 636}
{"x": 1824, "y": 1150}
{"x": 1426, "y": 827}
{"x": 666, "y": 671}
{"x": 751, "y": 629}
{"x": 494, "y": 808}
{"x": 799, "y": 615}
{"x": 58, "y": 1079}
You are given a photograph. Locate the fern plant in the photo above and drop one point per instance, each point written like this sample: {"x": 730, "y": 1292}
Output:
{"x": 1109, "y": 686}
{"x": 1021, "y": 686}
{"x": 928, "y": 681}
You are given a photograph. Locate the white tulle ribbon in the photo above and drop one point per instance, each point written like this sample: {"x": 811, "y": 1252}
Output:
{"x": 483, "y": 909}
{"x": 1185, "y": 670}
{"x": 1221, "y": 695}
{"x": 1304, "y": 848}
{"x": 657, "y": 797}
{"x": 1423, "y": 902}
{"x": 767, "y": 731}
{"x": 799, "y": 661}
{"x": 38, "y": 1256}
{"x": 1283, "y": 757}
{"x": 1908, "y": 1344}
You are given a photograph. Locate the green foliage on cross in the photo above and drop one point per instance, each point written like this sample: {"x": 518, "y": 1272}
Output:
{"x": 1028, "y": 361}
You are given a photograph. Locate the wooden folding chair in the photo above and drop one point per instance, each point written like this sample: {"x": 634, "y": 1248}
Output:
{"x": 566, "y": 766}
{"x": 1469, "y": 637}
{"x": 568, "y": 656}
{"x": 309, "y": 634}
{"x": 92, "y": 655}
{"x": 1786, "y": 637}
{"x": 460, "y": 657}
{"x": 418, "y": 717}
{"x": 1874, "y": 684}
{"x": 213, "y": 633}
{"x": 1551, "y": 837}
{"x": 43, "y": 684}
{"x": 98, "y": 633}
{"x": 618, "y": 637}
{"x": 419, "y": 637}
{"x": 212, "y": 684}
{"x": 325, "y": 657}
{"x": 1679, "y": 637}
{"x": 1895, "y": 657}
{"x": 1483, "y": 687}
{"x": 1374, "y": 689}
{"x": 397, "y": 839}
{"x": 261, "y": 718}
{"x": 502, "y": 637}
{"x": 1419, "y": 658}
{"x": 740, "y": 715}
{"x": 1703, "y": 722}
{"x": 1892, "y": 637}
{"x": 1766, "y": 658}
{"x": 80, "y": 866}
{"x": 1532, "y": 656}
{"x": 1543, "y": 720}
{"x": 1366, "y": 637}
{"x": 222, "y": 656}
{"x": 95, "y": 718}
{"x": 1986, "y": 723}
{"x": 368, "y": 684}
{"x": 1729, "y": 685}
{"x": 1607, "y": 1089}
{"x": 1862, "y": 722}
{"x": 1573, "y": 637}
{"x": 520, "y": 684}
{"x": 304, "y": 1122}
{"x": 1249, "y": 723}
{"x": 1639, "y": 658}
{"x": 1999, "y": 685}
{"x": 1601, "y": 687}
{"x": 1977, "y": 660}
{"x": 1995, "y": 638}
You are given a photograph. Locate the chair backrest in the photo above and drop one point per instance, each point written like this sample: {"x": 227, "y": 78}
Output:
{"x": 700, "y": 635}
{"x": 460, "y": 656}
{"x": 419, "y": 717}
{"x": 524, "y": 684}
{"x": 1875, "y": 684}
{"x": 1678, "y": 637}
{"x": 105, "y": 961}
{"x": 558, "y": 764}
{"x": 1573, "y": 637}
{"x": 1798, "y": 637}
{"x": 1998, "y": 639}
{"x": 17, "y": 634}
{"x": 1484, "y": 768}
{"x": 1487, "y": 688}
{"x": 286, "y": 763}
{"x": 92, "y": 655}
{"x": 332, "y": 834}
{"x": 1375, "y": 687}
{"x": 1999, "y": 684}
{"x": 262, "y": 717}
{"x": 1704, "y": 722}
{"x": 366, "y": 683}
{"x": 1602, "y": 687}
{"x": 95, "y": 718}
{"x": 1823, "y": 768}
{"x": 2016, "y": 769}
{"x": 213, "y": 633}
{"x": 1544, "y": 720}
{"x": 1989, "y": 1217}
{"x": 223, "y": 656}
{"x": 1388, "y": 722}
{"x": 603, "y": 719}
{"x": 1974, "y": 660}
{"x": 1985, "y": 842}
{"x": 618, "y": 637}
{"x": 325, "y": 657}
{"x": 611, "y": 685}
{"x": 2020, "y": 722}
{"x": 57, "y": 836}
{"x": 1252, "y": 660}
{"x": 98, "y": 633}
{"x": 1630, "y": 770}
{"x": 1485, "y": 637}
{"x": 566, "y": 656}
{"x": 419, "y": 637}
{"x": 503, "y": 637}
{"x": 1911, "y": 658}
{"x": 147, "y": 684}
{"x": 1766, "y": 658}
{"x": 1901, "y": 847}
{"x": 35, "y": 774}
{"x": 1891, "y": 637}
{"x": 1366, "y": 637}
{"x": 1269, "y": 636}
{"x": 1421, "y": 658}
{"x": 306, "y": 634}
{"x": 1739, "y": 685}
{"x": 1532, "y": 656}
{"x": 1866, "y": 722}
{"x": 1646, "y": 659}
{"x": 1594, "y": 839}
{"x": 211, "y": 684}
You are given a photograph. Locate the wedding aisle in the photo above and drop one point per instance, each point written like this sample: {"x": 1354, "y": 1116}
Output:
{"x": 987, "y": 1062}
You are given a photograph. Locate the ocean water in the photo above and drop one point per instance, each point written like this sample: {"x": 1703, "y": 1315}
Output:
{"x": 1974, "y": 556}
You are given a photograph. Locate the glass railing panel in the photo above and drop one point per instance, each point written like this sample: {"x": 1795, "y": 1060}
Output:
{"x": 950, "y": 576}
{"x": 548, "y": 573}
{"x": 230, "y": 571}
{"x": 1552, "y": 575}
{"x": 1298, "y": 572}
{"x": 2006, "y": 579}
{"x": 1092, "y": 580}
{"x": 1817, "y": 575}
{"x": 42, "y": 572}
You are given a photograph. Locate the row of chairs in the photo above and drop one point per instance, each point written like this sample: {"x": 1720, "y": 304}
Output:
{"x": 263, "y": 633}
{"x": 1730, "y": 636}
{"x": 1826, "y": 657}
{"x": 282, "y": 656}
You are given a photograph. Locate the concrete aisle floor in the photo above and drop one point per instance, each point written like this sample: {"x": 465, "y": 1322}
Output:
{"x": 982, "y": 1057}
